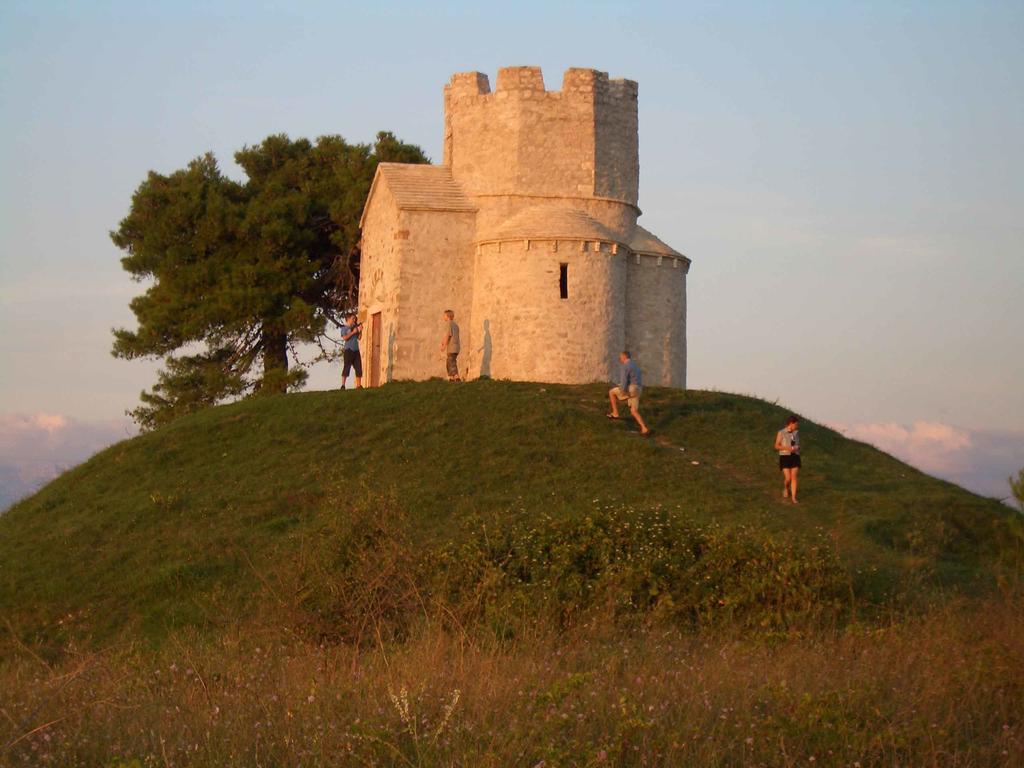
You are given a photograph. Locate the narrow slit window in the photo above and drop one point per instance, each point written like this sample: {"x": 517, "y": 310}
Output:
{"x": 563, "y": 280}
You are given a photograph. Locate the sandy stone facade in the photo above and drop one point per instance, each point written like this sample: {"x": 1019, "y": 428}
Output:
{"x": 528, "y": 231}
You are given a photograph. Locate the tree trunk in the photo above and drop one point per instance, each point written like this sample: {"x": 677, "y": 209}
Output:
{"x": 275, "y": 359}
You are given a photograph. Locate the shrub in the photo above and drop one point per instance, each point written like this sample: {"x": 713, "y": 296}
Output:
{"x": 649, "y": 564}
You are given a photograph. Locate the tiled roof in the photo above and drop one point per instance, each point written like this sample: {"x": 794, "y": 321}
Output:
{"x": 424, "y": 187}
{"x": 644, "y": 242}
{"x": 549, "y": 222}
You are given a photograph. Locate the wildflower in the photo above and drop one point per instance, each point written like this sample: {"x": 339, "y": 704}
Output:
{"x": 401, "y": 704}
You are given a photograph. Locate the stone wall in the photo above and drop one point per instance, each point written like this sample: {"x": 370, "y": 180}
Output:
{"x": 616, "y": 144}
{"x": 385, "y": 235}
{"x": 437, "y": 274}
{"x": 525, "y": 140}
{"x": 656, "y": 319}
{"x": 522, "y": 328}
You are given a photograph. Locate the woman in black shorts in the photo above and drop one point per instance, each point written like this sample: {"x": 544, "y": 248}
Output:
{"x": 787, "y": 443}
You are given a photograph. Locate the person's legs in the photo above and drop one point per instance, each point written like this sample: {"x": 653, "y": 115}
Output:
{"x": 452, "y": 366}
{"x": 786, "y": 477}
{"x": 357, "y": 363}
{"x": 792, "y": 483}
{"x": 345, "y": 367}
{"x": 613, "y": 400}
{"x": 634, "y": 408}
{"x": 635, "y": 411}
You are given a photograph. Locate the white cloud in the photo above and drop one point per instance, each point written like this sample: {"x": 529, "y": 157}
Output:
{"x": 34, "y": 448}
{"x": 979, "y": 460}
{"x": 930, "y": 445}
{"x": 14, "y": 426}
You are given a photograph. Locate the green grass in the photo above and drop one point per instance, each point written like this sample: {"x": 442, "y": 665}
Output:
{"x": 201, "y": 523}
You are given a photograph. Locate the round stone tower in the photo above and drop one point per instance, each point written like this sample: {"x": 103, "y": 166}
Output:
{"x": 550, "y": 288}
{"x": 554, "y": 176}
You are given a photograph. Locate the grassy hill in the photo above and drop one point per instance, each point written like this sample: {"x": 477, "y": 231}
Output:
{"x": 493, "y": 574}
{"x": 297, "y": 501}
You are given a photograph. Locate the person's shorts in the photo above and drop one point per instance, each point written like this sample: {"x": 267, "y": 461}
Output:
{"x": 351, "y": 359}
{"x": 452, "y": 364}
{"x": 792, "y": 461}
{"x": 633, "y": 398}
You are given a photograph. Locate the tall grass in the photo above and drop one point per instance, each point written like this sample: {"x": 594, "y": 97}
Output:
{"x": 944, "y": 689}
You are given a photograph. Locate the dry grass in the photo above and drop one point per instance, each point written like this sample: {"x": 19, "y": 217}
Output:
{"x": 942, "y": 690}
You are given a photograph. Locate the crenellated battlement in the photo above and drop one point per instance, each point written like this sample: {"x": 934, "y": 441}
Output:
{"x": 467, "y": 84}
{"x": 521, "y": 138}
{"x": 529, "y": 81}
{"x": 621, "y": 88}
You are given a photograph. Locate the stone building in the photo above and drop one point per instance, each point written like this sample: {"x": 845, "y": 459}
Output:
{"x": 528, "y": 231}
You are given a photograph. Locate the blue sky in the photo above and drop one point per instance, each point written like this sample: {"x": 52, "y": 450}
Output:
{"x": 847, "y": 177}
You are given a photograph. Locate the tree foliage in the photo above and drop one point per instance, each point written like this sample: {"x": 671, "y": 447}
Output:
{"x": 239, "y": 273}
{"x": 1017, "y": 488}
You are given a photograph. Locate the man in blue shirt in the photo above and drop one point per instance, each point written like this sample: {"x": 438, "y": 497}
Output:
{"x": 350, "y": 351}
{"x": 628, "y": 390}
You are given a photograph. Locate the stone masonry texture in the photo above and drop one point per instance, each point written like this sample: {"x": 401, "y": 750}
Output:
{"x": 534, "y": 185}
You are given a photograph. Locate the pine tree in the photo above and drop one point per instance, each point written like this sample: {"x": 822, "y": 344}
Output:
{"x": 240, "y": 273}
{"x": 1017, "y": 488}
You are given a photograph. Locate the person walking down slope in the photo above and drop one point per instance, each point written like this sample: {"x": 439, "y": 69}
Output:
{"x": 628, "y": 390}
{"x": 451, "y": 346}
{"x": 787, "y": 443}
{"x": 350, "y": 351}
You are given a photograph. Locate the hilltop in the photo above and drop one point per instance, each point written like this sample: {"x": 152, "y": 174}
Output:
{"x": 285, "y": 508}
